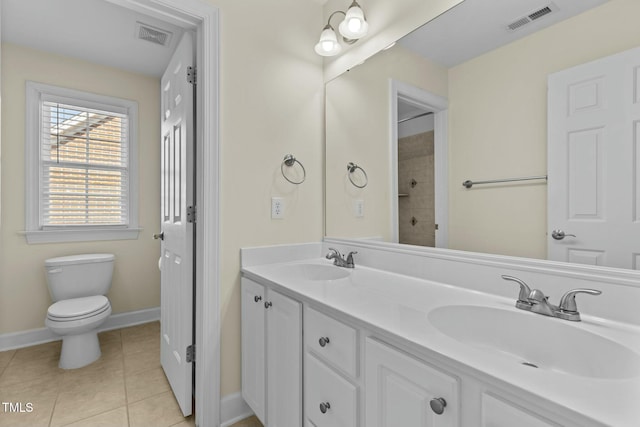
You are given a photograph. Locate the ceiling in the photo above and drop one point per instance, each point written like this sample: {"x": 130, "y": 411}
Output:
{"x": 93, "y": 30}
{"x": 475, "y": 27}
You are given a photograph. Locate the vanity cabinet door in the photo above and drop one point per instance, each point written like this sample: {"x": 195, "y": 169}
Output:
{"x": 284, "y": 361}
{"x": 253, "y": 346}
{"x": 400, "y": 388}
{"x": 271, "y": 355}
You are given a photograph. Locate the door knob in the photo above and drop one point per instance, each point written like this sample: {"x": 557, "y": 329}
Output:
{"x": 159, "y": 236}
{"x": 437, "y": 405}
{"x": 559, "y": 234}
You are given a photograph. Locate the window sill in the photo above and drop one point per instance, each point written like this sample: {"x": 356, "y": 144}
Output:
{"x": 58, "y": 236}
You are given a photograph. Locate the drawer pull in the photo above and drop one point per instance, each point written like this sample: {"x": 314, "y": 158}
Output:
{"x": 324, "y": 407}
{"x": 437, "y": 405}
{"x": 323, "y": 341}
{"x": 267, "y": 304}
{"x": 257, "y": 298}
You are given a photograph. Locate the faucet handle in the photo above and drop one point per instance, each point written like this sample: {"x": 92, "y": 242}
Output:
{"x": 525, "y": 290}
{"x": 350, "y": 257}
{"x": 568, "y": 300}
{"x": 333, "y": 253}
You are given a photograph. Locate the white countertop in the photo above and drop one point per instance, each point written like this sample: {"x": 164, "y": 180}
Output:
{"x": 399, "y": 305}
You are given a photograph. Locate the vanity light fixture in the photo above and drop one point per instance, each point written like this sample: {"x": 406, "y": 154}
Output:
{"x": 354, "y": 26}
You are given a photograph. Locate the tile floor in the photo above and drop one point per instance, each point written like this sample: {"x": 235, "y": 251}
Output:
{"x": 126, "y": 387}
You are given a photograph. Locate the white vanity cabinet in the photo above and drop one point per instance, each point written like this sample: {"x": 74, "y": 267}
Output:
{"x": 404, "y": 391}
{"x": 271, "y": 355}
{"x": 357, "y": 374}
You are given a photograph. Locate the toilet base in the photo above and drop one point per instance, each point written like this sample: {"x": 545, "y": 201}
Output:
{"x": 79, "y": 350}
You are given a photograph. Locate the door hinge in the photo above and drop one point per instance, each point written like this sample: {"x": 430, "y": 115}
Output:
{"x": 191, "y": 353}
{"x": 192, "y": 75}
{"x": 191, "y": 214}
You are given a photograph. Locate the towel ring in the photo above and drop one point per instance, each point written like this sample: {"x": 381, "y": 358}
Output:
{"x": 352, "y": 167}
{"x": 289, "y": 161}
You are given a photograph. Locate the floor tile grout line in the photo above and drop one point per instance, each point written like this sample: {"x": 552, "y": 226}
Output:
{"x": 124, "y": 374}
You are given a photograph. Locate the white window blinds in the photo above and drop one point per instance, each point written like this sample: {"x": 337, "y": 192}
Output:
{"x": 84, "y": 167}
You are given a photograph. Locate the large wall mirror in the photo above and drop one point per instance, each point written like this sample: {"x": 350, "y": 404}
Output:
{"x": 465, "y": 98}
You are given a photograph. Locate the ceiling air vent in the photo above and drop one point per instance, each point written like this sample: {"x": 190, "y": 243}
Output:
{"x": 521, "y": 22}
{"x": 540, "y": 13}
{"x": 153, "y": 34}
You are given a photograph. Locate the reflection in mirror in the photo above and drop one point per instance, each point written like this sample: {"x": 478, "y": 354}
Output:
{"x": 486, "y": 85}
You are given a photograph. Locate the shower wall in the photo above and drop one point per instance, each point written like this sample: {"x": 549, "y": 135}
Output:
{"x": 416, "y": 212}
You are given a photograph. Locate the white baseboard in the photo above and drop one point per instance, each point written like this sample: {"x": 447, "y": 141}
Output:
{"x": 31, "y": 337}
{"x": 233, "y": 408}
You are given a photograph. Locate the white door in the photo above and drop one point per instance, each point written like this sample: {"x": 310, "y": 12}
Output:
{"x": 177, "y": 245}
{"x": 284, "y": 361}
{"x": 403, "y": 391}
{"x": 593, "y": 160}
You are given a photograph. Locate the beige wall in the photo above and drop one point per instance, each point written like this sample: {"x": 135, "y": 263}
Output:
{"x": 271, "y": 104}
{"x": 498, "y": 127}
{"x": 357, "y": 117}
{"x": 24, "y": 296}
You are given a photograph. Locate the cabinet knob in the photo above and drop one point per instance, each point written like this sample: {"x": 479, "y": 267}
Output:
{"x": 437, "y": 405}
{"x": 257, "y": 298}
{"x": 323, "y": 341}
{"x": 324, "y": 407}
{"x": 267, "y": 304}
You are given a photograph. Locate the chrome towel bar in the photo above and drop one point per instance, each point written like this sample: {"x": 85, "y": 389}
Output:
{"x": 469, "y": 183}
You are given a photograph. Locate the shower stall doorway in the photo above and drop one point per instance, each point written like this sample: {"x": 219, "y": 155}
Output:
{"x": 419, "y": 166}
{"x": 416, "y": 189}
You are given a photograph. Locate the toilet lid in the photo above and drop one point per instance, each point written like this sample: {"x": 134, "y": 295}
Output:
{"x": 77, "y": 307}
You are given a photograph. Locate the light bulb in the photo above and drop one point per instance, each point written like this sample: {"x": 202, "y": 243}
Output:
{"x": 328, "y": 44}
{"x": 354, "y": 25}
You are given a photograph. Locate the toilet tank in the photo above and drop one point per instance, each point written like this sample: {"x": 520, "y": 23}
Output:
{"x": 78, "y": 276}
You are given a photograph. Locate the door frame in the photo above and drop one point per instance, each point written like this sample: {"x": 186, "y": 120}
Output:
{"x": 439, "y": 105}
{"x": 204, "y": 19}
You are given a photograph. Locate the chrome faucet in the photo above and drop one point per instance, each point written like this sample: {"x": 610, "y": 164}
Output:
{"x": 339, "y": 260}
{"x": 536, "y": 302}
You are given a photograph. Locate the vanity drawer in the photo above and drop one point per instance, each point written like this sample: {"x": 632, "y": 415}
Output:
{"x": 331, "y": 340}
{"x": 330, "y": 400}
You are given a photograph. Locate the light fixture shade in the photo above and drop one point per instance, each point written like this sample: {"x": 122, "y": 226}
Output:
{"x": 328, "y": 44}
{"x": 354, "y": 26}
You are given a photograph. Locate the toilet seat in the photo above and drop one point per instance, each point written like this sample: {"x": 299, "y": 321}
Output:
{"x": 78, "y": 308}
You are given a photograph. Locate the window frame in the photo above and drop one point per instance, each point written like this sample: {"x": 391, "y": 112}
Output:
{"x": 35, "y": 231}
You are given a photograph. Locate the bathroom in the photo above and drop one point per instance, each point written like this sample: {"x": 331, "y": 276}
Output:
{"x": 287, "y": 117}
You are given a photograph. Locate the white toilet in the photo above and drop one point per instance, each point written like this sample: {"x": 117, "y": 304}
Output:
{"x": 78, "y": 285}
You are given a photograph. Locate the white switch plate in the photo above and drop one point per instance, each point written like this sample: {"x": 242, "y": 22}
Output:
{"x": 277, "y": 208}
{"x": 358, "y": 208}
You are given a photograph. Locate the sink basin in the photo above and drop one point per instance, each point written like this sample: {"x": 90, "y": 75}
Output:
{"x": 537, "y": 341}
{"x": 315, "y": 272}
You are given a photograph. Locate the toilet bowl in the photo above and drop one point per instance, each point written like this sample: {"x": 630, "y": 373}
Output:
{"x": 77, "y": 285}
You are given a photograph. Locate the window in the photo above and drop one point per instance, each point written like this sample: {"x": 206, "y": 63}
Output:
{"x": 81, "y": 166}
